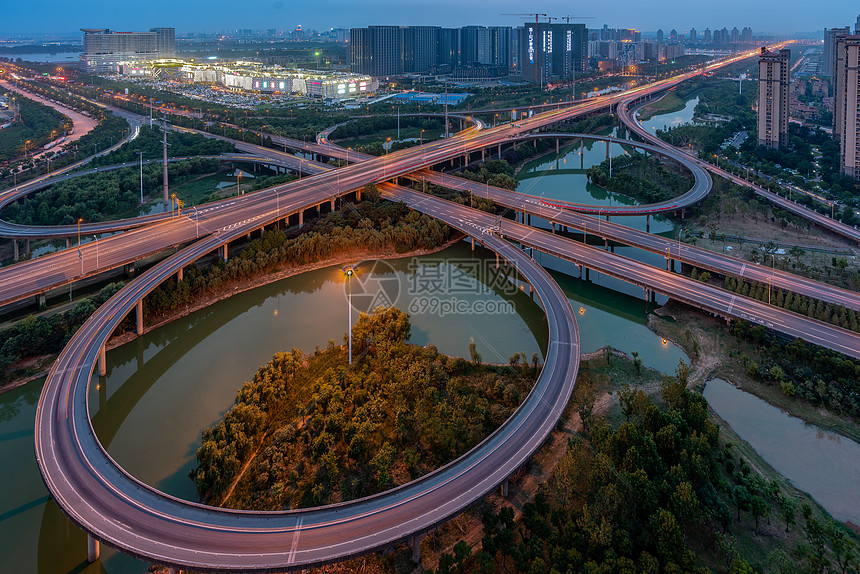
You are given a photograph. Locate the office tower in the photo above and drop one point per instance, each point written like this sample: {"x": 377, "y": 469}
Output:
{"x": 830, "y": 48}
{"x": 773, "y": 98}
{"x": 449, "y": 47}
{"x": 847, "y": 103}
{"x": 692, "y": 35}
{"x": 376, "y": 51}
{"x": 660, "y": 36}
{"x": 419, "y": 48}
{"x": 104, "y": 49}
{"x": 553, "y": 51}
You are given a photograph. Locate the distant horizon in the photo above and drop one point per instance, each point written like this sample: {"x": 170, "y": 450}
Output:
{"x": 765, "y": 16}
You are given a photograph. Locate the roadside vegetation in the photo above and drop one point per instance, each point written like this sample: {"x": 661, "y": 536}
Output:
{"x": 38, "y": 124}
{"x": 643, "y": 178}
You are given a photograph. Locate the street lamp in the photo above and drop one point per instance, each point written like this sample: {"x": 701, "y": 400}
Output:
{"x": 80, "y": 255}
{"x": 349, "y": 270}
{"x": 388, "y": 147}
{"x": 238, "y": 177}
{"x": 96, "y": 241}
{"x": 140, "y": 154}
{"x": 196, "y": 222}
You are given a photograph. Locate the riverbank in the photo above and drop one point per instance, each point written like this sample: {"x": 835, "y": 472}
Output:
{"x": 668, "y": 104}
{"x": 234, "y": 288}
{"x": 716, "y": 353}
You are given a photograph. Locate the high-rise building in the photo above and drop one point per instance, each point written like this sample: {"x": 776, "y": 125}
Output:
{"x": 376, "y": 51}
{"x": 724, "y": 37}
{"x": 419, "y": 47}
{"x": 847, "y": 103}
{"x": 104, "y": 49}
{"x": 736, "y": 35}
{"x": 553, "y": 51}
{"x": 857, "y": 25}
{"x": 692, "y": 35}
{"x": 660, "y": 36}
{"x": 773, "y": 98}
{"x": 707, "y": 39}
{"x": 830, "y": 48}
{"x": 746, "y": 35}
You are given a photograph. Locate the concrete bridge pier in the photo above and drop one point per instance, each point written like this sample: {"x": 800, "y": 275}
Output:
{"x": 102, "y": 361}
{"x": 331, "y": 205}
{"x": 358, "y": 194}
{"x": 607, "y": 150}
{"x": 648, "y": 223}
{"x": 505, "y": 488}
{"x": 15, "y": 255}
{"x": 68, "y": 242}
{"x": 497, "y": 260}
{"x": 92, "y": 549}
{"x": 301, "y": 217}
{"x": 139, "y": 313}
{"x": 500, "y": 151}
{"x": 552, "y": 225}
{"x": 606, "y": 244}
{"x": 415, "y": 545}
{"x": 27, "y": 245}
{"x": 482, "y": 154}
{"x": 41, "y": 301}
{"x": 473, "y": 244}
{"x": 179, "y": 275}
{"x": 224, "y": 253}
{"x": 174, "y": 570}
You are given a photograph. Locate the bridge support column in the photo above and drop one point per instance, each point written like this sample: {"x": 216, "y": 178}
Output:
{"x": 606, "y": 243}
{"x": 586, "y": 273}
{"x": 179, "y": 275}
{"x": 301, "y": 217}
{"x": 473, "y": 244}
{"x": 500, "y": 151}
{"x": 358, "y": 194}
{"x": 415, "y": 545}
{"x": 552, "y": 226}
{"x": 139, "y": 309}
{"x": 505, "y": 488}
{"x": 669, "y": 264}
{"x": 174, "y": 570}
{"x": 15, "y": 255}
{"x": 497, "y": 260}
{"x": 26, "y": 246}
{"x": 482, "y": 154}
{"x": 92, "y": 549}
{"x": 41, "y": 303}
{"x": 530, "y": 219}
{"x": 102, "y": 361}
{"x": 68, "y": 242}
{"x": 648, "y": 223}
{"x": 224, "y": 254}
{"x": 556, "y": 146}
{"x": 331, "y": 205}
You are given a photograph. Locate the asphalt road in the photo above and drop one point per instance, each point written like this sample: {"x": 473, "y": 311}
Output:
{"x": 118, "y": 510}
{"x": 678, "y": 287}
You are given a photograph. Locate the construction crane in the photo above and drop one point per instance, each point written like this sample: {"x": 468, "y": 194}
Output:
{"x": 536, "y": 15}
{"x": 569, "y": 18}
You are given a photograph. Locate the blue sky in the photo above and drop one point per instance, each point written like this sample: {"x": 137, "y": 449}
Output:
{"x": 215, "y": 15}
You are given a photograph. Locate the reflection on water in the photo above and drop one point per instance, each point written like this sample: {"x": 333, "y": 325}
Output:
{"x": 672, "y": 119}
{"x": 822, "y": 463}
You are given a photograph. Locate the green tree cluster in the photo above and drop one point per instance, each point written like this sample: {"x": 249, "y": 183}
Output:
{"x": 313, "y": 429}
{"x": 46, "y": 334}
{"x": 35, "y": 124}
{"x": 810, "y": 372}
{"x": 659, "y": 494}
{"x": 642, "y": 178}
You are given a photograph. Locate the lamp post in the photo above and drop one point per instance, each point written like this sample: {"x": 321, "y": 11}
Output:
{"x": 140, "y": 154}
{"x": 172, "y": 203}
{"x": 349, "y": 270}
{"x": 96, "y": 241}
{"x": 80, "y": 255}
{"x": 238, "y": 177}
{"x": 196, "y": 222}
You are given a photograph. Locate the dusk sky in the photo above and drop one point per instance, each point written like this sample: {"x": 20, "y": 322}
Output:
{"x": 216, "y": 15}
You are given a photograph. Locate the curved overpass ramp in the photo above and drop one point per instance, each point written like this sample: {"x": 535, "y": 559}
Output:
{"x": 118, "y": 510}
